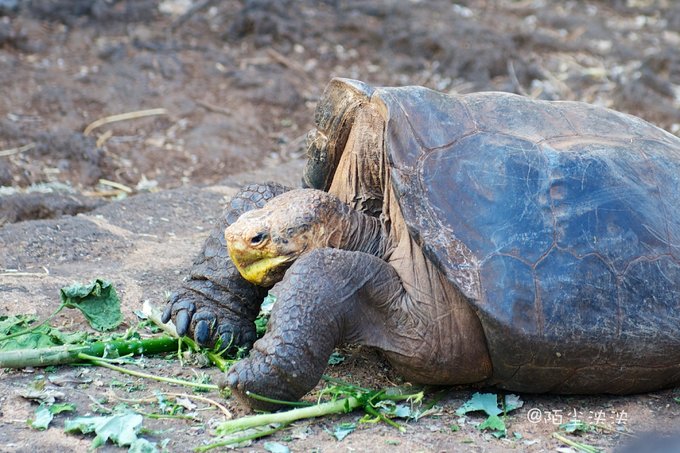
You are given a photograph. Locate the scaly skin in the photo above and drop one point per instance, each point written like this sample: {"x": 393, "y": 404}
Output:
{"x": 355, "y": 298}
{"x": 215, "y": 302}
{"x": 340, "y": 289}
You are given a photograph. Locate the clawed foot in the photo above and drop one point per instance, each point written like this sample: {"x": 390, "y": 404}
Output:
{"x": 208, "y": 324}
{"x": 272, "y": 376}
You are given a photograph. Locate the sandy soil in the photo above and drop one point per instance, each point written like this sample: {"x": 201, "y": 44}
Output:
{"x": 131, "y": 201}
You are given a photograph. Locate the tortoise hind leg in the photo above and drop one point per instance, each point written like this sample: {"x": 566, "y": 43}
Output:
{"x": 215, "y": 302}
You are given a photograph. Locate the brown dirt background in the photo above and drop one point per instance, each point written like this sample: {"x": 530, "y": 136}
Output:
{"x": 239, "y": 81}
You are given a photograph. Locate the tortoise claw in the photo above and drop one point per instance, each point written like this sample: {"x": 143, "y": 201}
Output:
{"x": 202, "y": 332}
{"x": 241, "y": 334}
{"x": 182, "y": 321}
{"x": 167, "y": 313}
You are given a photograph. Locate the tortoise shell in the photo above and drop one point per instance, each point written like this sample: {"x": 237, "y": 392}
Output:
{"x": 560, "y": 222}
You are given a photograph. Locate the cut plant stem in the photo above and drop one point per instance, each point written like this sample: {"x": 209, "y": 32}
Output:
{"x": 61, "y": 355}
{"x": 153, "y": 399}
{"x": 104, "y": 363}
{"x": 255, "y": 396}
{"x": 340, "y": 406}
{"x": 238, "y": 440}
{"x": 577, "y": 445}
{"x": 375, "y": 413}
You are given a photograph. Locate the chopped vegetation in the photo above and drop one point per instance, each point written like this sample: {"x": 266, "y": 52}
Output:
{"x": 98, "y": 302}
{"x": 263, "y": 316}
{"x": 579, "y": 446}
{"x": 41, "y": 345}
{"x": 377, "y": 404}
{"x": 121, "y": 429}
{"x": 489, "y": 404}
{"x": 577, "y": 427}
{"x": 46, "y": 412}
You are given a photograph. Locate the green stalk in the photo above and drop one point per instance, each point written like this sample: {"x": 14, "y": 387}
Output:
{"x": 577, "y": 445}
{"x": 370, "y": 410}
{"x": 35, "y": 327}
{"x": 219, "y": 361}
{"x": 238, "y": 440}
{"x": 340, "y": 406}
{"x": 103, "y": 363}
{"x": 266, "y": 399}
{"x": 60, "y": 355}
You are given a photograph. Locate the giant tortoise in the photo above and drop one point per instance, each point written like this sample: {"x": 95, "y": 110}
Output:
{"x": 483, "y": 238}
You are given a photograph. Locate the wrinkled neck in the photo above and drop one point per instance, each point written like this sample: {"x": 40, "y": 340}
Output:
{"x": 359, "y": 232}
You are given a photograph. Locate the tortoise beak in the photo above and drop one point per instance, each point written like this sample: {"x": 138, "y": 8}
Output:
{"x": 261, "y": 267}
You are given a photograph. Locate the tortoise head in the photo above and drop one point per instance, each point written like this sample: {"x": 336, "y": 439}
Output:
{"x": 264, "y": 242}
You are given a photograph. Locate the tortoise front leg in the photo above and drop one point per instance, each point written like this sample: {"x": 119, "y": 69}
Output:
{"x": 328, "y": 297}
{"x": 215, "y": 302}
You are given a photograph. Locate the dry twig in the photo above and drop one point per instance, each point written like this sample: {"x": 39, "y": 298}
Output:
{"x": 21, "y": 149}
{"x": 123, "y": 117}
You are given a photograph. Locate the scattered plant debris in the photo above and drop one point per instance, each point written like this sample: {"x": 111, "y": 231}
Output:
{"x": 489, "y": 404}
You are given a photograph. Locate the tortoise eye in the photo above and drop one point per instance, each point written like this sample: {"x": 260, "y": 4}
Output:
{"x": 258, "y": 238}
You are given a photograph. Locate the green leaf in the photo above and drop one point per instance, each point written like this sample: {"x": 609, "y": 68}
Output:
{"x": 11, "y": 324}
{"x": 121, "y": 429}
{"x": 454, "y": 428}
{"x": 343, "y": 430}
{"x": 267, "y": 304}
{"x": 336, "y": 358}
{"x": 263, "y": 317}
{"x": 32, "y": 340}
{"x": 58, "y": 408}
{"x": 37, "y": 339}
{"x": 98, "y": 302}
{"x": 68, "y": 338}
{"x": 512, "y": 402}
{"x": 42, "y": 337}
{"x": 487, "y": 402}
{"x": 677, "y": 399}
{"x": 44, "y": 414}
{"x": 141, "y": 445}
{"x": 493, "y": 423}
{"x": 575, "y": 426}
{"x": 275, "y": 447}
{"x": 392, "y": 409}
{"x": 42, "y": 419}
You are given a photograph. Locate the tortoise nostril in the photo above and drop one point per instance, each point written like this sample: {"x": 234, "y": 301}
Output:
{"x": 258, "y": 238}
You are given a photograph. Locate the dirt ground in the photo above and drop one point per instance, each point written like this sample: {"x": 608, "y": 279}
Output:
{"x": 131, "y": 201}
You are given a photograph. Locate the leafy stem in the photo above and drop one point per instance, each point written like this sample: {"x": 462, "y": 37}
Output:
{"x": 106, "y": 364}
{"x": 35, "y": 327}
